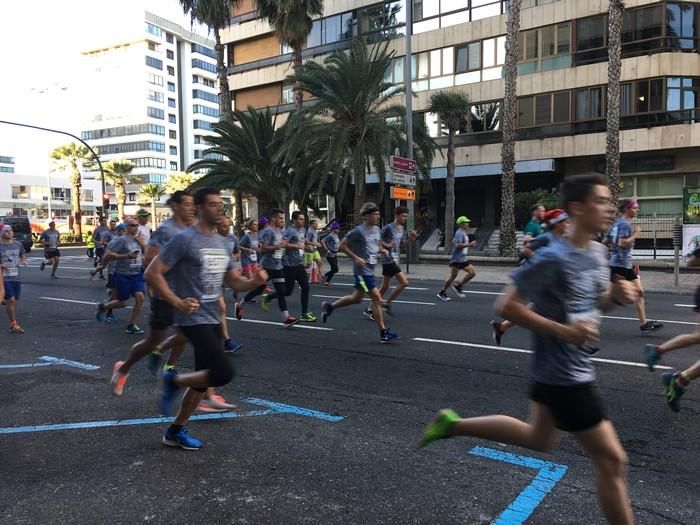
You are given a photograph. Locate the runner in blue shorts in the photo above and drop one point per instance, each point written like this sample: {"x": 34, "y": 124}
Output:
{"x": 11, "y": 256}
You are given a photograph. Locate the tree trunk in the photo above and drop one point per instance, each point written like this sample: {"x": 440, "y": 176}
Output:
{"x": 76, "y": 190}
{"x": 120, "y": 195}
{"x": 612, "y": 139}
{"x": 238, "y": 196}
{"x": 225, "y": 106}
{"x": 450, "y": 190}
{"x": 507, "y": 234}
{"x": 153, "y": 213}
{"x": 360, "y": 197}
{"x": 297, "y": 64}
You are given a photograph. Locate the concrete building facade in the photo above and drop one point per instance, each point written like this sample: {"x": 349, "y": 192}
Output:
{"x": 460, "y": 45}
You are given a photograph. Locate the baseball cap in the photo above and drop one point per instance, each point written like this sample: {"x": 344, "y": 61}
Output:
{"x": 463, "y": 219}
{"x": 121, "y": 226}
{"x": 143, "y": 213}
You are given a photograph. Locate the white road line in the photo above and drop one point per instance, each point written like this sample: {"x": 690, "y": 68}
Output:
{"x": 67, "y": 300}
{"x": 366, "y": 299}
{"x": 307, "y": 327}
{"x": 407, "y": 288}
{"x": 685, "y": 305}
{"x": 86, "y": 269}
{"x": 659, "y": 320}
{"x": 523, "y": 351}
{"x": 482, "y": 293}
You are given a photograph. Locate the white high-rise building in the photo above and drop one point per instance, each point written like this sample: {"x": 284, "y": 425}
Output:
{"x": 152, "y": 100}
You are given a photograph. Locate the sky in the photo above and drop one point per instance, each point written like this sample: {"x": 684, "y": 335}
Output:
{"x": 41, "y": 65}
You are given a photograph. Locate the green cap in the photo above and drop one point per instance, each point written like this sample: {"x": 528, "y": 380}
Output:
{"x": 462, "y": 219}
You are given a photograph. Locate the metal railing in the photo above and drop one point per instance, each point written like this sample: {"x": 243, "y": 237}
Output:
{"x": 656, "y": 238}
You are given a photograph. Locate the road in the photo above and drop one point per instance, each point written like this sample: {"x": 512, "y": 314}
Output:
{"x": 351, "y": 457}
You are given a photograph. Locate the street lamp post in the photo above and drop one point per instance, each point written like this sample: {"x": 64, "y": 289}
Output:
{"x": 409, "y": 120}
{"x": 60, "y": 132}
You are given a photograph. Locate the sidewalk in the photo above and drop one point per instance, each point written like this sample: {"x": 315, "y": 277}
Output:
{"x": 654, "y": 281}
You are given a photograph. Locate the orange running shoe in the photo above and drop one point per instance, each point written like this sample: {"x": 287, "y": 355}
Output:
{"x": 118, "y": 379}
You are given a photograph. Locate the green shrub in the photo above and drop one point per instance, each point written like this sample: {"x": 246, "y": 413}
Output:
{"x": 525, "y": 200}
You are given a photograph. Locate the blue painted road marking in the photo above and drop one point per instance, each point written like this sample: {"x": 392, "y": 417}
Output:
{"x": 52, "y": 361}
{"x": 272, "y": 408}
{"x": 530, "y": 497}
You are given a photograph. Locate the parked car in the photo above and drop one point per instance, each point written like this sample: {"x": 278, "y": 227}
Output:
{"x": 22, "y": 230}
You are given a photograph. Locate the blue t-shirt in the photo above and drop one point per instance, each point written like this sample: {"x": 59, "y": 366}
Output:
{"x": 11, "y": 254}
{"x": 364, "y": 242}
{"x": 250, "y": 241}
{"x": 271, "y": 237}
{"x": 564, "y": 284}
{"x": 620, "y": 256}
{"x": 460, "y": 255}
{"x": 392, "y": 234}
{"x": 294, "y": 256}
{"x": 199, "y": 263}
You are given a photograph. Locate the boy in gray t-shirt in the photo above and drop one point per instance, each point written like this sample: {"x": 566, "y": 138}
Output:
{"x": 459, "y": 261}
{"x": 568, "y": 284}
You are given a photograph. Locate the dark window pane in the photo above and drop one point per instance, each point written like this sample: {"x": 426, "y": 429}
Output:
{"x": 331, "y": 29}
{"x": 582, "y": 104}
{"x": 648, "y": 23}
{"x": 628, "y": 26}
{"x": 641, "y": 103}
{"x": 563, "y": 39}
{"x": 626, "y": 99}
{"x": 314, "y": 38}
{"x": 656, "y": 94}
{"x": 530, "y": 44}
{"x": 526, "y": 115}
{"x": 590, "y": 33}
{"x": 462, "y": 60}
{"x": 543, "y": 109}
{"x": 548, "y": 44}
{"x": 346, "y": 22}
{"x": 561, "y": 111}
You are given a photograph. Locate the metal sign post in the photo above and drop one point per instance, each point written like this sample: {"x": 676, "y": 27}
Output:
{"x": 403, "y": 173}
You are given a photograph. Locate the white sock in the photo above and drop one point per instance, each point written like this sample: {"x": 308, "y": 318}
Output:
{"x": 285, "y": 315}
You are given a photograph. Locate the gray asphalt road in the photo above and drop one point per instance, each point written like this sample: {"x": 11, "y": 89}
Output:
{"x": 354, "y": 460}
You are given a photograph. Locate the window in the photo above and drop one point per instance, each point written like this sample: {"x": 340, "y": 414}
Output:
{"x": 169, "y": 54}
{"x": 172, "y": 119}
{"x": 648, "y": 95}
{"x": 154, "y": 30}
{"x": 171, "y": 102}
{"x": 385, "y": 20}
{"x": 209, "y": 97}
{"x": 314, "y": 38}
{"x": 486, "y": 117}
{"x": 589, "y": 103}
{"x": 155, "y": 96}
{"x": 544, "y": 109}
{"x": 591, "y": 33}
{"x": 201, "y": 124}
{"x": 433, "y": 14}
{"x": 526, "y": 112}
{"x": 171, "y": 71}
{"x": 123, "y": 131}
{"x": 20, "y": 192}
{"x": 148, "y": 162}
{"x": 682, "y": 93}
{"x": 394, "y": 73}
{"x": 642, "y": 24}
{"x": 155, "y": 113}
{"x": 131, "y": 196}
{"x": 7, "y": 160}
{"x": 287, "y": 97}
{"x": 561, "y": 107}
{"x": 173, "y": 166}
{"x": 171, "y": 87}
{"x": 213, "y": 112}
{"x": 169, "y": 38}
{"x": 173, "y": 150}
{"x": 202, "y": 50}
{"x": 129, "y": 147}
{"x": 468, "y": 58}
{"x": 207, "y": 82}
{"x": 154, "y": 62}
{"x": 152, "y": 46}
{"x": 172, "y": 134}
{"x": 681, "y": 25}
{"x": 332, "y": 29}
{"x": 88, "y": 195}
{"x": 156, "y": 80}
{"x": 6, "y": 169}
{"x": 201, "y": 64}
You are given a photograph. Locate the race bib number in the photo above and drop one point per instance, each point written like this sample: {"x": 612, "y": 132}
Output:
{"x": 254, "y": 257}
{"x": 214, "y": 265}
{"x": 301, "y": 253}
{"x": 372, "y": 259}
{"x": 465, "y": 251}
{"x": 278, "y": 254}
{"x": 11, "y": 272}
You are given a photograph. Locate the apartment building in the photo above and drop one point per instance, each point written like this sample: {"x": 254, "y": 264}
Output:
{"x": 460, "y": 45}
{"x": 7, "y": 164}
{"x": 155, "y": 99}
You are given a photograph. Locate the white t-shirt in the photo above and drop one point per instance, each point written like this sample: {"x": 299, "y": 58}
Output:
{"x": 145, "y": 233}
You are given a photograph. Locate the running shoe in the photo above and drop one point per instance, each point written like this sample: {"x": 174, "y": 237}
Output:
{"x": 92, "y": 275}
{"x": 170, "y": 389}
{"x": 238, "y": 309}
{"x": 440, "y": 427}
{"x": 387, "y": 309}
{"x": 368, "y": 314}
{"x": 326, "y": 284}
{"x": 133, "y": 329}
{"x": 443, "y": 296}
{"x": 167, "y": 367}
{"x": 42, "y": 265}
{"x": 326, "y": 310}
{"x": 290, "y": 321}
{"x": 215, "y": 403}
{"x": 458, "y": 288}
{"x": 154, "y": 361}
{"x": 496, "y": 332}
{"x": 265, "y": 305}
{"x": 308, "y": 317}
{"x": 54, "y": 276}
{"x": 100, "y": 314}
{"x": 16, "y": 329}
{"x": 118, "y": 379}
{"x": 181, "y": 439}
{"x": 101, "y": 277}
{"x": 651, "y": 326}
{"x": 674, "y": 391}
{"x": 387, "y": 336}
{"x": 231, "y": 346}
{"x": 111, "y": 318}
{"x": 651, "y": 356}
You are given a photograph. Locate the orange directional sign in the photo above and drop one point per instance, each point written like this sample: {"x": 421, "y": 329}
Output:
{"x": 403, "y": 194}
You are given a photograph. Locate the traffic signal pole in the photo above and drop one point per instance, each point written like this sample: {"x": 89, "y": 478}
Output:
{"x": 409, "y": 123}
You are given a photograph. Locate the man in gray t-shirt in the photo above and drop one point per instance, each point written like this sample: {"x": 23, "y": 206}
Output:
{"x": 331, "y": 243}
{"x": 12, "y": 254}
{"x": 201, "y": 263}
{"x": 459, "y": 260}
{"x": 51, "y": 238}
{"x": 568, "y": 285}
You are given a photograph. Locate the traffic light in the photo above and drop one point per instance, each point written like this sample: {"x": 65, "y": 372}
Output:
{"x": 105, "y": 205}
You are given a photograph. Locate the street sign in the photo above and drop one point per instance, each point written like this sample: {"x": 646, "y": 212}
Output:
{"x": 403, "y": 179}
{"x": 402, "y": 164}
{"x": 403, "y": 194}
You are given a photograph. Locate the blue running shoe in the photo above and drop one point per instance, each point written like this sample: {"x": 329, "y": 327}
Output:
{"x": 154, "y": 360}
{"x": 111, "y": 318}
{"x": 231, "y": 346}
{"x": 133, "y": 329}
{"x": 170, "y": 389}
{"x": 387, "y": 336}
{"x": 100, "y": 314}
{"x": 181, "y": 439}
{"x": 651, "y": 356}
{"x": 326, "y": 310}
{"x": 673, "y": 390}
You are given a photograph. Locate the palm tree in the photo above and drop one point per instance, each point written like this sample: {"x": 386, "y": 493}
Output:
{"x": 118, "y": 174}
{"x": 244, "y": 158}
{"x": 612, "y": 136}
{"x": 179, "y": 181}
{"x": 452, "y": 108}
{"x": 510, "y": 103}
{"x": 152, "y": 193}
{"x": 72, "y": 156}
{"x": 292, "y": 21}
{"x": 352, "y": 115}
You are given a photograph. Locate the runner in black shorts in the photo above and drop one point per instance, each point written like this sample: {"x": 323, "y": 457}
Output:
{"x": 51, "y": 239}
{"x": 199, "y": 262}
{"x": 568, "y": 285}
{"x": 459, "y": 260}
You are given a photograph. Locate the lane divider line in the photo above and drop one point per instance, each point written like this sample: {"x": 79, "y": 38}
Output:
{"x": 524, "y": 351}
{"x": 417, "y": 288}
{"x": 367, "y": 299}
{"x": 299, "y": 325}
{"x": 659, "y": 320}
{"x": 48, "y": 360}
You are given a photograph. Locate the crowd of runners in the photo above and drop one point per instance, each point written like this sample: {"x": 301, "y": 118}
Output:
{"x": 564, "y": 282}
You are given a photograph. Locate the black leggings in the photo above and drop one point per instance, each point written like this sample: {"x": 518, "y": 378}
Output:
{"x": 208, "y": 343}
{"x": 279, "y": 284}
{"x": 297, "y": 274}
{"x": 333, "y": 261}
